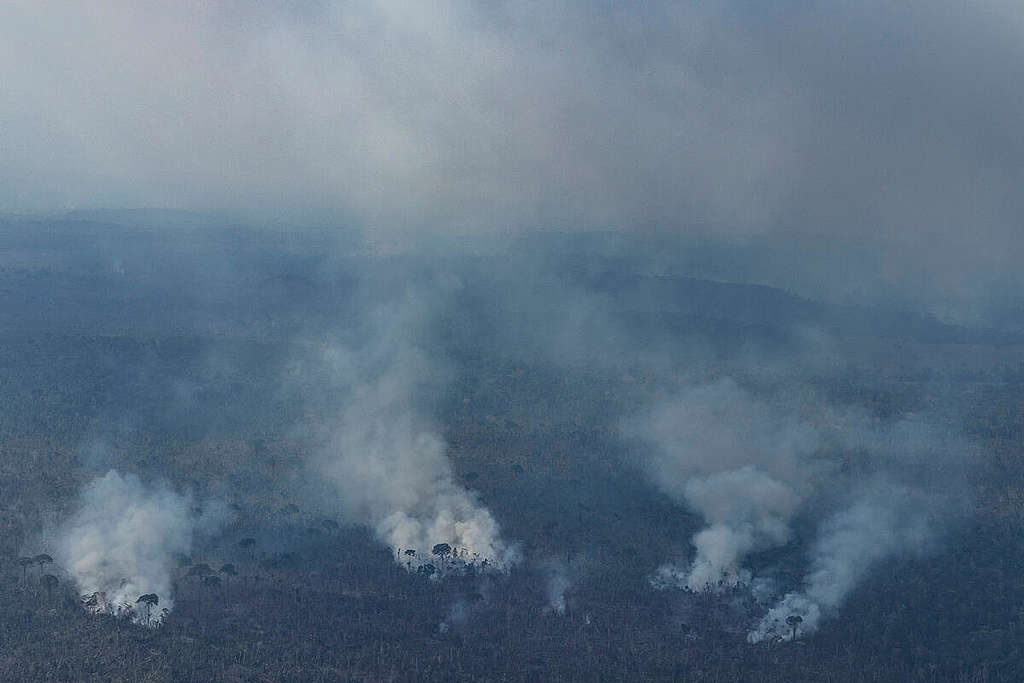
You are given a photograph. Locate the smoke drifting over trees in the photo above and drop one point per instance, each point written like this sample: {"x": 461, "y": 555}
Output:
{"x": 609, "y": 440}
{"x": 699, "y": 324}
{"x": 747, "y": 466}
{"x": 388, "y": 460}
{"x": 122, "y": 540}
{"x": 885, "y": 520}
{"x": 725, "y": 455}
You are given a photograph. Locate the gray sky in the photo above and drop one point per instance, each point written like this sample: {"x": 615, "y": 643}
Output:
{"x": 896, "y": 124}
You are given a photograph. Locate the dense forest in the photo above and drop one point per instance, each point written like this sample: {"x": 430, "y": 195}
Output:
{"x": 255, "y": 455}
{"x": 509, "y": 340}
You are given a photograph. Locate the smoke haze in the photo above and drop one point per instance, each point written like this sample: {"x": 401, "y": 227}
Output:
{"x": 867, "y": 134}
{"x": 388, "y": 460}
{"x": 123, "y": 539}
{"x": 885, "y": 521}
{"x": 747, "y": 466}
{"x": 689, "y": 320}
{"x": 726, "y": 456}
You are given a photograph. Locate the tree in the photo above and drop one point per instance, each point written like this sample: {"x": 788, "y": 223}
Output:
{"x": 201, "y": 569}
{"x": 41, "y": 559}
{"x": 49, "y": 582}
{"x": 794, "y": 620}
{"x": 409, "y": 554}
{"x": 149, "y": 599}
{"x": 442, "y": 550}
{"x": 24, "y": 562}
{"x": 247, "y": 544}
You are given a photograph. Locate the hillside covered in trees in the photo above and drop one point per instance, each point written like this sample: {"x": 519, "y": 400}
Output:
{"x": 244, "y": 456}
{"x": 511, "y": 341}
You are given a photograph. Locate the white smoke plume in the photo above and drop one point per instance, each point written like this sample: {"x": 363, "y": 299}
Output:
{"x": 389, "y": 464}
{"x": 748, "y": 468}
{"x": 885, "y": 521}
{"x": 558, "y": 583}
{"x": 121, "y": 541}
{"x": 737, "y": 463}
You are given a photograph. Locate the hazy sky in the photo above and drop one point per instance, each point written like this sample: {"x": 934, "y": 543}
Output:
{"x": 893, "y": 122}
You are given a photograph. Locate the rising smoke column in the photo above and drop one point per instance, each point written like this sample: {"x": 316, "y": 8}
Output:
{"x": 849, "y": 543}
{"x": 748, "y": 468}
{"x": 387, "y": 460}
{"x": 915, "y": 484}
{"x": 123, "y": 537}
{"x": 557, "y": 586}
{"x": 739, "y": 464}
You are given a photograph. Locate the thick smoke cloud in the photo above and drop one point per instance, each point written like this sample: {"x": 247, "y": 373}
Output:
{"x": 122, "y": 541}
{"x": 800, "y": 124}
{"x": 750, "y": 469}
{"x": 736, "y": 462}
{"x": 885, "y": 521}
{"x": 859, "y": 153}
{"x": 455, "y": 117}
{"x": 386, "y": 458}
